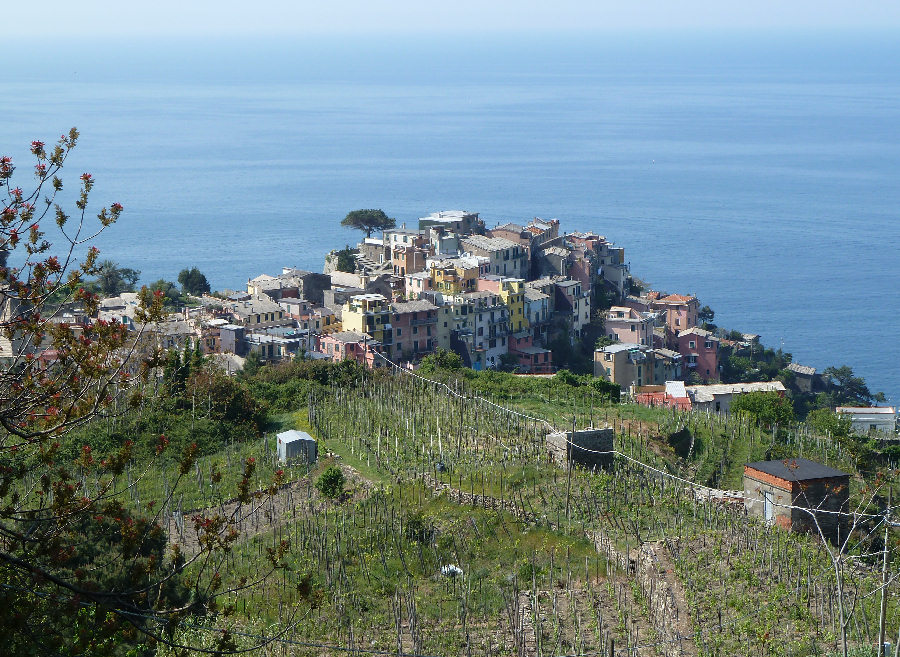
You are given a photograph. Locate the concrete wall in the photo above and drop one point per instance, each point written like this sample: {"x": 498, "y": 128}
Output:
{"x": 562, "y": 446}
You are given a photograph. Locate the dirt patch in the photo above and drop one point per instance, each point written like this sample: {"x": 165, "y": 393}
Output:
{"x": 264, "y": 512}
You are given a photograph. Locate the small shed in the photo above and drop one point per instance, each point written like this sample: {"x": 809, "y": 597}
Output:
{"x": 297, "y": 445}
{"x": 797, "y": 494}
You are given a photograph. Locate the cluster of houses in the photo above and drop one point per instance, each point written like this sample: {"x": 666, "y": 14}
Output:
{"x": 498, "y": 297}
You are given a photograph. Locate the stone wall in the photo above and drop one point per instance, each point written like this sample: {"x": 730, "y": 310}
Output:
{"x": 581, "y": 448}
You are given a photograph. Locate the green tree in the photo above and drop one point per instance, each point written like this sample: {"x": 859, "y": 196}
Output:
{"x": 768, "y": 408}
{"x": 113, "y": 279}
{"x": 826, "y": 422}
{"x": 193, "y": 282}
{"x": 847, "y": 389}
{"x": 345, "y": 260}
{"x": 706, "y": 314}
{"x": 167, "y": 291}
{"x": 441, "y": 359}
{"x": 331, "y": 482}
{"x": 368, "y": 220}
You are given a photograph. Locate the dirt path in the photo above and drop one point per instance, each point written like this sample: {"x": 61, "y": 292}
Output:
{"x": 651, "y": 567}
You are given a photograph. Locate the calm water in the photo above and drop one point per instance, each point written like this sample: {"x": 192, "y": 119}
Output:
{"x": 759, "y": 174}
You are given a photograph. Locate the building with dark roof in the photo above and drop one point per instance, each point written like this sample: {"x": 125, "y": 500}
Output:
{"x": 799, "y": 495}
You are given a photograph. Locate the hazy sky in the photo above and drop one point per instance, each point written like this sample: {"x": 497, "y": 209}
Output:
{"x": 229, "y": 17}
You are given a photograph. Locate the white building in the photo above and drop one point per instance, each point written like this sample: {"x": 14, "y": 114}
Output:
{"x": 878, "y": 419}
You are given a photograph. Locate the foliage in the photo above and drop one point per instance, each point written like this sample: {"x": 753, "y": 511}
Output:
{"x": 112, "y": 279}
{"x": 847, "y": 389}
{"x": 441, "y": 359}
{"x": 345, "y": 260}
{"x": 828, "y": 423}
{"x": 193, "y": 282}
{"x": 603, "y": 341}
{"x": 167, "y": 292}
{"x": 753, "y": 363}
{"x": 331, "y": 482}
{"x": 83, "y": 566}
{"x": 368, "y": 221}
{"x": 768, "y": 408}
{"x": 706, "y": 314}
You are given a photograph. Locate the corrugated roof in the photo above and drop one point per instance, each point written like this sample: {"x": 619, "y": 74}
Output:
{"x": 796, "y": 469}
{"x": 292, "y": 435}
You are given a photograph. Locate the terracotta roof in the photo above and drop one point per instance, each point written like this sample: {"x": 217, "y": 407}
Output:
{"x": 678, "y": 298}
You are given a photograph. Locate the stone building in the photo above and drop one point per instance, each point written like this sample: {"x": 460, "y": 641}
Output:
{"x": 798, "y": 494}
{"x": 587, "y": 447}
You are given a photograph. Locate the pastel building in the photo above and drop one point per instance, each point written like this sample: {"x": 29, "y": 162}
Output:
{"x": 370, "y": 314}
{"x": 414, "y": 326}
{"x": 700, "y": 350}
{"x": 629, "y": 325}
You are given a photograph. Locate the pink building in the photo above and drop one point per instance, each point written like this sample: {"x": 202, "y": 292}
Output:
{"x": 415, "y": 328}
{"x": 350, "y": 345}
{"x": 680, "y": 311}
{"x": 533, "y": 360}
{"x": 628, "y": 325}
{"x": 416, "y": 284}
{"x": 700, "y": 350}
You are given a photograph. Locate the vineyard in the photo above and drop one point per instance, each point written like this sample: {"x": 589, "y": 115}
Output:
{"x": 456, "y": 534}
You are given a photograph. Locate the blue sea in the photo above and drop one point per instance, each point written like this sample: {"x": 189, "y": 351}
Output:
{"x": 757, "y": 171}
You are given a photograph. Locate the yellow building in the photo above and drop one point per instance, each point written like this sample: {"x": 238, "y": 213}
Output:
{"x": 370, "y": 314}
{"x": 512, "y": 293}
{"x": 455, "y": 277}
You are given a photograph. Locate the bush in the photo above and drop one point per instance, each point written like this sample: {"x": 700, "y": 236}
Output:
{"x": 331, "y": 482}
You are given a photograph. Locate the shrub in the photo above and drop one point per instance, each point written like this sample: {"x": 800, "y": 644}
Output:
{"x": 331, "y": 482}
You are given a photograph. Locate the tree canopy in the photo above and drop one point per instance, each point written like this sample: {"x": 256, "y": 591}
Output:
{"x": 847, "y": 389}
{"x": 345, "y": 260}
{"x": 167, "y": 291}
{"x": 113, "y": 279}
{"x": 767, "y": 407}
{"x": 193, "y": 282}
{"x": 368, "y": 221}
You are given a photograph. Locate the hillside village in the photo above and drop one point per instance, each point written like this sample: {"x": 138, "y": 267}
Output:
{"x": 528, "y": 512}
{"x": 530, "y": 299}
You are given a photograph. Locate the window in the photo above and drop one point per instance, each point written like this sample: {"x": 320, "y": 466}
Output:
{"x": 709, "y": 344}
{"x": 399, "y": 332}
{"x": 607, "y": 371}
{"x": 677, "y": 322}
{"x": 692, "y": 344}
{"x": 399, "y": 346}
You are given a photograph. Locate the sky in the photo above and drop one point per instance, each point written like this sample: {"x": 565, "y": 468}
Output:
{"x": 181, "y": 18}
